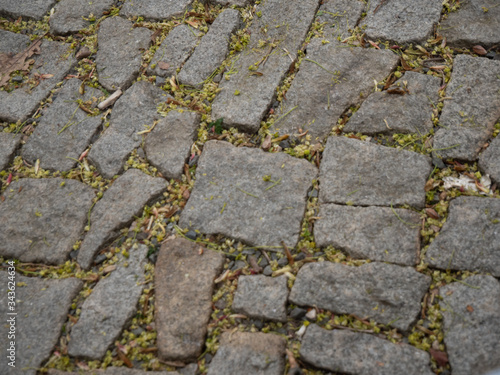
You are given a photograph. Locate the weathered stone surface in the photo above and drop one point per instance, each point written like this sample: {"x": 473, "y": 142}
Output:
{"x": 64, "y": 131}
{"x": 41, "y": 307}
{"x": 340, "y": 16}
{"x": 212, "y": 50}
{"x": 233, "y": 196}
{"x": 155, "y": 9}
{"x": 169, "y": 144}
{"x": 43, "y": 218}
{"x": 114, "y": 371}
{"x": 383, "y": 292}
{"x": 471, "y": 315}
{"x": 121, "y": 202}
{"x": 69, "y": 15}
{"x": 134, "y": 110}
{"x": 284, "y": 23}
{"x": 8, "y": 144}
{"x": 402, "y": 21}
{"x": 468, "y": 117}
{"x": 184, "y": 283}
{"x": 262, "y": 297}
{"x": 488, "y": 161}
{"x": 240, "y": 3}
{"x": 375, "y": 233}
{"x": 249, "y": 353}
{"x": 368, "y": 174}
{"x": 120, "y": 50}
{"x": 12, "y": 42}
{"x": 109, "y": 308}
{"x": 34, "y": 9}
{"x": 470, "y": 238}
{"x": 361, "y": 354}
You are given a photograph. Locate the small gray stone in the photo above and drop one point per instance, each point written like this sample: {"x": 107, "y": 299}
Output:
{"x": 298, "y": 313}
{"x": 247, "y": 194}
{"x": 262, "y": 297}
{"x": 488, "y": 161}
{"x": 8, "y": 144}
{"x": 383, "y": 292}
{"x": 340, "y": 16}
{"x": 471, "y": 315}
{"x": 160, "y": 10}
{"x": 34, "y": 9}
{"x": 268, "y": 271}
{"x": 470, "y": 238}
{"x": 41, "y": 306}
{"x": 12, "y": 43}
{"x": 69, "y": 15}
{"x": 361, "y": 354}
{"x": 184, "y": 283}
{"x": 249, "y": 353}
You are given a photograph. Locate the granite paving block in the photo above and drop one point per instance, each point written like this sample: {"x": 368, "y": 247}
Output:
{"x": 155, "y": 9}
{"x": 8, "y": 145}
{"x": 43, "y": 218}
{"x": 488, "y": 161}
{"x": 184, "y": 282}
{"x": 340, "y": 17}
{"x": 69, "y": 15}
{"x": 249, "y": 195}
{"x": 33, "y": 9}
{"x": 12, "y": 42}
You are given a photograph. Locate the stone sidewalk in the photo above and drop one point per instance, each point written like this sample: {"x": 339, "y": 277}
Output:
{"x": 250, "y": 187}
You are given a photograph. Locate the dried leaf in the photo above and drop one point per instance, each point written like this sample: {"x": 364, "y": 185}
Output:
{"x": 405, "y": 65}
{"x": 470, "y": 308}
{"x": 109, "y": 269}
{"x": 194, "y": 23}
{"x": 440, "y": 357}
{"x": 125, "y": 359}
{"x": 83, "y": 53}
{"x": 374, "y": 44}
{"x": 479, "y": 50}
{"x": 266, "y": 144}
{"x": 432, "y": 213}
{"x": 9, "y": 64}
{"x": 163, "y": 65}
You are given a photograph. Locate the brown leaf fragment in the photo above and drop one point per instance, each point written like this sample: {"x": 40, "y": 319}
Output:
{"x": 163, "y": 65}
{"x": 470, "y": 308}
{"x": 266, "y": 143}
{"x": 405, "y": 65}
{"x": 155, "y": 35}
{"x": 291, "y": 261}
{"x": 20, "y": 61}
{"x": 253, "y": 263}
{"x": 397, "y": 90}
{"x": 479, "y": 50}
{"x": 83, "y": 53}
{"x": 429, "y": 185}
{"x": 124, "y": 359}
{"x": 432, "y": 213}
{"x": 440, "y": 357}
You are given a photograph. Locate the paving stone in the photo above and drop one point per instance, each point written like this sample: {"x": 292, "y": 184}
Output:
{"x": 402, "y": 21}
{"x": 184, "y": 282}
{"x": 119, "y": 56}
{"x": 231, "y": 196}
{"x": 135, "y": 109}
{"x": 114, "y": 371}
{"x": 8, "y": 144}
{"x": 262, "y": 297}
{"x": 383, "y": 292}
{"x": 169, "y": 144}
{"x": 69, "y": 15}
{"x": 240, "y": 3}
{"x": 471, "y": 315}
{"x": 364, "y": 173}
{"x": 488, "y": 161}
{"x": 125, "y": 199}
{"x": 64, "y": 131}
{"x": 468, "y": 118}
{"x": 155, "y": 9}
{"x": 12, "y": 42}
{"x": 249, "y": 353}
{"x": 361, "y": 354}
{"x": 283, "y": 22}
{"x": 34, "y": 9}
{"x": 330, "y": 80}
{"x": 41, "y": 307}
{"x": 212, "y": 50}
{"x": 375, "y": 233}
{"x": 340, "y": 16}
{"x": 43, "y": 218}
{"x": 470, "y": 238}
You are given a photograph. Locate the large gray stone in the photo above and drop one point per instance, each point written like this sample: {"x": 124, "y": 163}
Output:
{"x": 121, "y": 202}
{"x": 489, "y": 160}
{"x": 155, "y": 9}
{"x": 361, "y": 354}
{"x": 64, "y": 131}
{"x": 340, "y": 17}
{"x": 8, "y": 144}
{"x": 364, "y": 173}
{"x": 69, "y": 15}
{"x": 43, "y": 218}
{"x": 249, "y": 353}
{"x": 12, "y": 42}
{"x": 184, "y": 282}
{"x": 41, "y": 307}
{"x": 470, "y": 239}
{"x": 34, "y": 9}
{"x": 375, "y": 233}
{"x": 249, "y": 195}
{"x": 471, "y": 315}
{"x": 246, "y": 97}
{"x": 386, "y": 293}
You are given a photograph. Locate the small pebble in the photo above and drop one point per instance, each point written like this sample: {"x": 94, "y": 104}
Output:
{"x": 191, "y": 235}
{"x": 298, "y": 313}
{"x": 268, "y": 271}
{"x": 100, "y": 258}
{"x": 311, "y": 314}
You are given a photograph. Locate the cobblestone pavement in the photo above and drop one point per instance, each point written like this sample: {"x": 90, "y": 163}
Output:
{"x": 249, "y": 187}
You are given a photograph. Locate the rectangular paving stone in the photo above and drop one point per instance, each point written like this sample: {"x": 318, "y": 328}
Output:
{"x": 246, "y": 97}
{"x": 383, "y": 292}
{"x": 488, "y": 161}
{"x": 34, "y": 9}
{"x": 69, "y": 15}
{"x": 12, "y": 42}
{"x": 361, "y": 354}
{"x": 8, "y": 145}
{"x": 340, "y": 16}
{"x": 249, "y": 195}
{"x": 155, "y": 9}
{"x": 364, "y": 173}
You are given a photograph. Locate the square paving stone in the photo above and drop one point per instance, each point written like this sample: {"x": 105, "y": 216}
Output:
{"x": 249, "y": 195}
{"x": 8, "y": 144}
{"x": 160, "y": 10}
{"x": 12, "y": 42}
{"x": 489, "y": 160}
{"x": 34, "y": 9}
{"x": 69, "y": 15}
{"x": 340, "y": 16}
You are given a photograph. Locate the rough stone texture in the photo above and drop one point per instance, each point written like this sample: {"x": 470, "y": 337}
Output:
{"x": 34, "y": 9}
{"x": 375, "y": 233}
{"x": 43, "y": 218}
{"x": 249, "y": 353}
{"x": 109, "y": 308}
{"x": 114, "y": 371}
{"x": 8, "y": 144}
{"x": 402, "y": 21}
{"x": 368, "y": 174}
{"x": 41, "y": 307}
{"x": 13, "y": 43}
{"x": 155, "y": 9}
{"x": 131, "y": 112}
{"x": 230, "y": 195}
{"x": 56, "y": 148}
{"x": 169, "y": 144}
{"x": 184, "y": 282}
{"x": 340, "y": 16}
{"x": 240, "y": 3}
{"x": 287, "y": 23}
{"x": 468, "y": 118}
{"x": 262, "y": 297}
{"x": 68, "y": 15}
{"x": 120, "y": 50}
{"x": 212, "y": 50}
{"x": 383, "y": 292}
{"x": 471, "y": 317}
{"x": 361, "y": 354}
{"x": 470, "y": 238}
{"x": 488, "y": 161}
{"x": 121, "y": 202}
